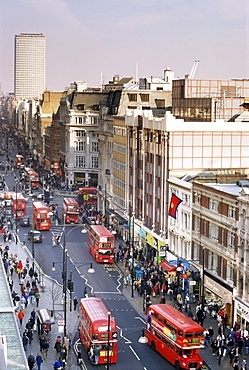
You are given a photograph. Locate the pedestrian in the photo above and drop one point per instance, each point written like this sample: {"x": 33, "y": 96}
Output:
{"x": 57, "y": 364}
{"x": 45, "y": 348}
{"x": 219, "y": 355}
{"x": 214, "y": 346}
{"x": 236, "y": 365}
{"x": 206, "y": 337}
{"x": 20, "y": 316}
{"x": 244, "y": 364}
{"x": 211, "y": 334}
{"x": 75, "y": 303}
{"x": 96, "y": 353}
{"x": 11, "y": 283}
{"x": 57, "y": 344}
{"x": 32, "y": 295}
{"x": 85, "y": 292}
{"x": 64, "y": 352}
{"x": 25, "y": 340}
{"x": 37, "y": 298}
{"x": 30, "y": 335}
{"x": 38, "y": 361}
{"x": 247, "y": 345}
{"x": 232, "y": 355}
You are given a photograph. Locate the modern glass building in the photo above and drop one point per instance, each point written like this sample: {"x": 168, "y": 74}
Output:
{"x": 29, "y": 74}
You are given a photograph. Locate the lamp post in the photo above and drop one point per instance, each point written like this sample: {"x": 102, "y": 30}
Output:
{"x": 64, "y": 270}
{"x": 33, "y": 242}
{"x": 16, "y": 181}
{"x": 132, "y": 258}
{"x": 108, "y": 339}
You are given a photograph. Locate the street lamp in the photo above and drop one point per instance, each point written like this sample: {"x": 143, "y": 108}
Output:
{"x": 16, "y": 181}
{"x": 64, "y": 269}
{"x": 33, "y": 242}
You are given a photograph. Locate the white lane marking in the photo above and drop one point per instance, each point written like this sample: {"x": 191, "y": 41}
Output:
{"x": 107, "y": 292}
{"x": 134, "y": 353}
{"x": 127, "y": 341}
{"x": 139, "y": 318}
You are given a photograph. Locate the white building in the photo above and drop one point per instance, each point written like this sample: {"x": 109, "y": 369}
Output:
{"x": 29, "y": 79}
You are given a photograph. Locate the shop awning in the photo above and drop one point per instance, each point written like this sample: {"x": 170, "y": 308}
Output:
{"x": 166, "y": 266}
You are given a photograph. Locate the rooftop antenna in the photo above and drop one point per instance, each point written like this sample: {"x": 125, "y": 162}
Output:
{"x": 136, "y": 74}
{"x": 101, "y": 80}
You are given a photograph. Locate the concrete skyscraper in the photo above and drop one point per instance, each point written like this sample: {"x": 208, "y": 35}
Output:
{"x": 30, "y": 55}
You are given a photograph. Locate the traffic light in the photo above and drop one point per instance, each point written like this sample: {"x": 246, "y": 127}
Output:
{"x": 70, "y": 286}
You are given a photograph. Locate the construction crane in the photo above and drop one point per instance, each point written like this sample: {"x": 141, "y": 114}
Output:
{"x": 193, "y": 70}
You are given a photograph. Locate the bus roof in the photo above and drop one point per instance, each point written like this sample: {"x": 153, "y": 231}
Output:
{"x": 87, "y": 189}
{"x": 176, "y": 318}
{"x": 101, "y": 230}
{"x": 97, "y": 312}
{"x": 70, "y": 200}
{"x": 41, "y": 205}
{"x": 15, "y": 196}
{"x": 30, "y": 171}
{"x": 19, "y": 156}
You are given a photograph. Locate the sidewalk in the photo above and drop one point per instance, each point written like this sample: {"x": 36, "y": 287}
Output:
{"x": 45, "y": 302}
{"x": 206, "y": 354}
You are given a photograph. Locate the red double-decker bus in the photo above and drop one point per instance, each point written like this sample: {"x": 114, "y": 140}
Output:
{"x": 31, "y": 178}
{"x": 101, "y": 244}
{"x": 88, "y": 197}
{"x": 41, "y": 216}
{"x": 97, "y": 328}
{"x": 70, "y": 211}
{"x": 18, "y": 205}
{"x": 19, "y": 160}
{"x": 175, "y": 336}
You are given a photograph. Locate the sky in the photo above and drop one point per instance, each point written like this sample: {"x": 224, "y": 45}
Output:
{"x": 90, "y": 39}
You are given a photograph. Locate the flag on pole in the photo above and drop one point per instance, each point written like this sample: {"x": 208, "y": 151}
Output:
{"x": 174, "y": 203}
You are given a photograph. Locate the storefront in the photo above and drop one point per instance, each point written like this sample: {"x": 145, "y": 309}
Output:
{"x": 241, "y": 313}
{"x": 219, "y": 293}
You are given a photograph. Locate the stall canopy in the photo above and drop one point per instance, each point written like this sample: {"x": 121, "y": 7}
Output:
{"x": 166, "y": 266}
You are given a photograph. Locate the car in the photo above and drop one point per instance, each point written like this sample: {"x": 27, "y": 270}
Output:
{"x": 25, "y": 221}
{"x": 35, "y": 236}
{"x": 41, "y": 197}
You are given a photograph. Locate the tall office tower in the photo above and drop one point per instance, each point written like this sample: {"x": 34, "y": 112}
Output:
{"x": 29, "y": 71}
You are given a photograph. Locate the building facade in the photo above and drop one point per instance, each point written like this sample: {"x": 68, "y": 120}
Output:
{"x": 29, "y": 66}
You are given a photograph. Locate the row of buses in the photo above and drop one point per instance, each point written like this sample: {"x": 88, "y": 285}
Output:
{"x": 168, "y": 331}
{"x": 14, "y": 204}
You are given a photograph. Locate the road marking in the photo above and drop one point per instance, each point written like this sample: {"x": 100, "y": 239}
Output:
{"x": 134, "y": 353}
{"x": 127, "y": 341}
{"x": 108, "y": 292}
{"x": 139, "y": 318}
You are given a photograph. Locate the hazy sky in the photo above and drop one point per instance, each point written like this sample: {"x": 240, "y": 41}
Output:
{"x": 87, "y": 37}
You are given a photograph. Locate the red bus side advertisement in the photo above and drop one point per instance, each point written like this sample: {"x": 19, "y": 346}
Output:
{"x": 93, "y": 329}
{"x": 175, "y": 336}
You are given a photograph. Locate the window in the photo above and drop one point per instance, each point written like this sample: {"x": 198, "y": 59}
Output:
{"x": 159, "y": 88}
{"x": 185, "y": 220}
{"x": 80, "y": 162}
{"x": 230, "y": 275}
{"x": 80, "y": 146}
{"x": 94, "y": 120}
{"x": 95, "y": 162}
{"x": 197, "y": 223}
{"x": 94, "y": 146}
{"x": 232, "y": 212}
{"x": 213, "y": 205}
{"x": 186, "y": 199}
{"x": 80, "y": 133}
{"x": 196, "y": 251}
{"x": 144, "y": 97}
{"x": 213, "y": 232}
{"x": 212, "y": 261}
{"x": 160, "y": 103}
{"x": 132, "y": 97}
{"x": 95, "y": 134}
{"x": 230, "y": 239}
{"x": 197, "y": 198}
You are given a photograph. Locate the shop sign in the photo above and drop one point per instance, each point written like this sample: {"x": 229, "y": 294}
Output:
{"x": 218, "y": 290}
{"x": 142, "y": 233}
